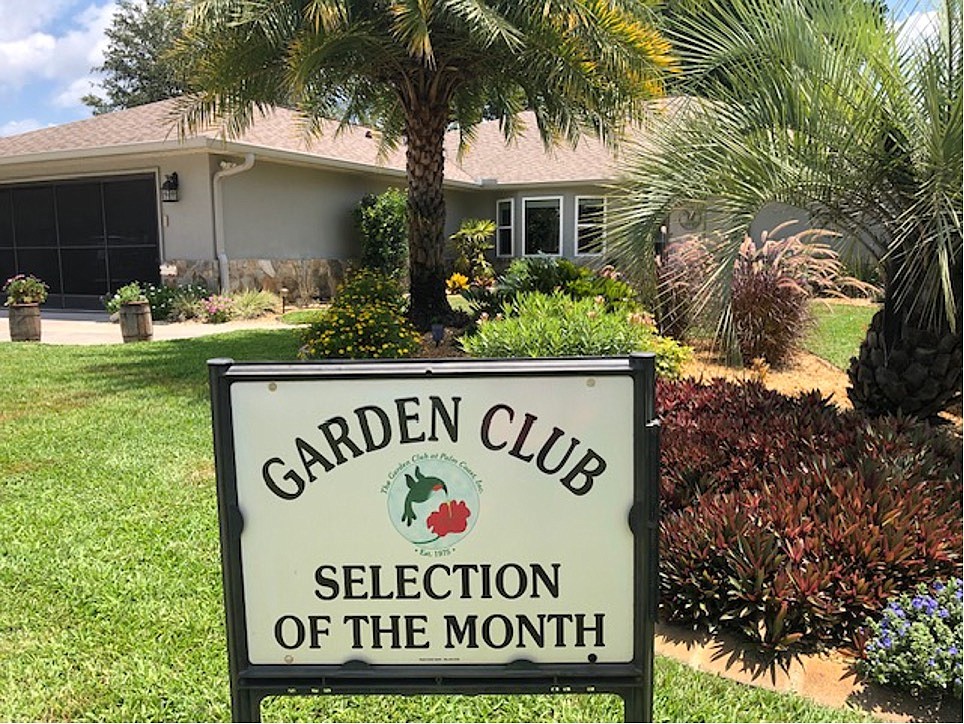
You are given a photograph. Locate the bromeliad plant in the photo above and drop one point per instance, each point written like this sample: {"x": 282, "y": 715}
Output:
{"x": 25, "y": 289}
{"x": 790, "y": 521}
{"x": 917, "y": 643}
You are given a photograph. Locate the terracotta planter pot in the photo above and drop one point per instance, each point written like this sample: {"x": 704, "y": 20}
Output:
{"x": 24, "y": 322}
{"x": 135, "y": 322}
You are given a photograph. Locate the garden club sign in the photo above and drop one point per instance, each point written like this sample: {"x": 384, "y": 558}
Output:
{"x": 432, "y": 527}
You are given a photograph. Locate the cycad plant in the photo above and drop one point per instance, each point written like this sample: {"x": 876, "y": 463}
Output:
{"x": 835, "y": 109}
{"x": 413, "y": 68}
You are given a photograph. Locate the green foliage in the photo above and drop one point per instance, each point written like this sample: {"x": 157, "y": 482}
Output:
{"x": 382, "y": 221}
{"x": 790, "y": 521}
{"x": 179, "y": 303}
{"x": 472, "y": 241}
{"x": 25, "y": 289}
{"x": 138, "y": 67}
{"x": 168, "y": 303}
{"x": 127, "y": 294}
{"x": 547, "y": 276}
{"x": 823, "y": 107}
{"x": 366, "y": 286}
{"x": 555, "y": 325}
{"x": 366, "y": 320}
{"x": 917, "y": 643}
{"x": 251, "y": 303}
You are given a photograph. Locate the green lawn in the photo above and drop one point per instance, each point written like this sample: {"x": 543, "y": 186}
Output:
{"x": 838, "y": 331}
{"x": 110, "y": 595}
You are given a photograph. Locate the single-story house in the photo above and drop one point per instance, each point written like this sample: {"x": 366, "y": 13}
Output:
{"x": 90, "y": 205}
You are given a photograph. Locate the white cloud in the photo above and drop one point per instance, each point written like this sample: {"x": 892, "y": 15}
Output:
{"x": 12, "y": 128}
{"x": 18, "y": 18}
{"x": 65, "y": 60}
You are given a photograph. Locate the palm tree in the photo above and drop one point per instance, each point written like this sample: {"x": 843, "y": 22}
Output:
{"x": 412, "y": 68}
{"x": 828, "y": 107}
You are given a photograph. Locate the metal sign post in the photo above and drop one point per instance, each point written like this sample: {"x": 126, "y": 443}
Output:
{"x": 453, "y": 526}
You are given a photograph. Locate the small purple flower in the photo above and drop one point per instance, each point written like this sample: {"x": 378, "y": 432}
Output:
{"x": 943, "y": 613}
{"x": 952, "y": 651}
{"x": 886, "y": 641}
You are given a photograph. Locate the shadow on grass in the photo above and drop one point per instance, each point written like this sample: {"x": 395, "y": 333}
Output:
{"x": 180, "y": 366}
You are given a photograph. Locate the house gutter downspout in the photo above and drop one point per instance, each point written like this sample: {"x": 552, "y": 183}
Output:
{"x": 219, "y": 245}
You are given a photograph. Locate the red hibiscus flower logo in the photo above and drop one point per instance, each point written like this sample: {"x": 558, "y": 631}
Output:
{"x": 451, "y": 517}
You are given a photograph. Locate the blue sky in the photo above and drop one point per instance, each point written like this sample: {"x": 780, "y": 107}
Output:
{"x": 47, "y": 51}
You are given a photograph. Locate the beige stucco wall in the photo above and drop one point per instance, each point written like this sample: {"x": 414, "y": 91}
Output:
{"x": 280, "y": 211}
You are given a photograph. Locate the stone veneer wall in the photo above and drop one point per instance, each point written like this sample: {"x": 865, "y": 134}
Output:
{"x": 305, "y": 279}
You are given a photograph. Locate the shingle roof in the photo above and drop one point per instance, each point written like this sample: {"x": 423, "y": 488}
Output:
{"x": 523, "y": 161}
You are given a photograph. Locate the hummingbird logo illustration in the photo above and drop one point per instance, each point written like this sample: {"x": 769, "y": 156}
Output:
{"x": 420, "y": 489}
{"x": 433, "y": 502}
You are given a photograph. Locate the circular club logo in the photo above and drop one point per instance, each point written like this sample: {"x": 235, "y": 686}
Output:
{"x": 433, "y": 503}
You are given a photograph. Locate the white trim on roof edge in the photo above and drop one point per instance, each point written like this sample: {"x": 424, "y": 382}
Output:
{"x": 214, "y": 146}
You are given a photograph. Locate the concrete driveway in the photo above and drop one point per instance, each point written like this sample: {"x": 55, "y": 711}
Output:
{"x": 75, "y": 327}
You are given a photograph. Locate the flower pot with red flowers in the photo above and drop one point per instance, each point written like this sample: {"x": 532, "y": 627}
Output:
{"x": 25, "y": 293}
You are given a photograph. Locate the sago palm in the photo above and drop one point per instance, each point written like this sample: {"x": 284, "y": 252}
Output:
{"x": 832, "y": 108}
{"x": 412, "y": 68}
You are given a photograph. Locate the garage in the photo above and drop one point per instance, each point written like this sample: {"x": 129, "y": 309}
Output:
{"x": 84, "y": 237}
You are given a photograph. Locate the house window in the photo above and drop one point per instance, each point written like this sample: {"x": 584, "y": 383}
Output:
{"x": 504, "y": 213}
{"x": 590, "y": 214}
{"x": 541, "y": 225}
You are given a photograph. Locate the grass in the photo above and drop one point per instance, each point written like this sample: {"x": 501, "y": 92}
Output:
{"x": 110, "y": 593}
{"x": 303, "y": 316}
{"x": 838, "y": 331}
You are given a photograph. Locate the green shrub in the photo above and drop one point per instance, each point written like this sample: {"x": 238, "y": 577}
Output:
{"x": 790, "y": 521}
{"x": 916, "y": 643}
{"x": 251, "y": 304}
{"x": 186, "y": 303}
{"x": 382, "y": 221}
{"x": 555, "y": 325}
{"x": 368, "y": 286}
{"x": 548, "y": 275}
{"x": 366, "y": 320}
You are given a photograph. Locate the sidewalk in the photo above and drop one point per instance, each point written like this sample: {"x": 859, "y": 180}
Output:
{"x": 80, "y": 327}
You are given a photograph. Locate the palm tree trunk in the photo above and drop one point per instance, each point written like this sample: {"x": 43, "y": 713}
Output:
{"x": 425, "y": 166}
{"x": 904, "y": 367}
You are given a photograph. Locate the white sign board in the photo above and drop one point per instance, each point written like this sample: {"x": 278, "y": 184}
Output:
{"x": 436, "y": 520}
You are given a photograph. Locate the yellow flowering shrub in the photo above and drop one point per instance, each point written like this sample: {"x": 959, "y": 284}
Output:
{"x": 365, "y": 321}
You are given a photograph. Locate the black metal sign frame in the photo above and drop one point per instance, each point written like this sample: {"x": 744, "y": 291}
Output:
{"x": 633, "y": 681}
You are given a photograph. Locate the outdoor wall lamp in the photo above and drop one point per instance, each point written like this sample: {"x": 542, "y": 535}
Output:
{"x": 169, "y": 187}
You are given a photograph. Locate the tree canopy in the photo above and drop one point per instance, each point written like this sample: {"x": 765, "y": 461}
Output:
{"x": 137, "y": 66}
{"x": 412, "y": 68}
